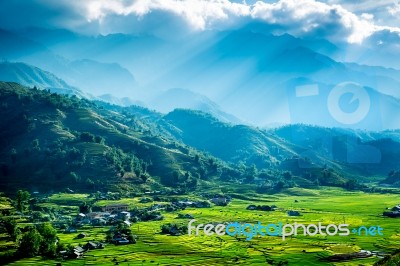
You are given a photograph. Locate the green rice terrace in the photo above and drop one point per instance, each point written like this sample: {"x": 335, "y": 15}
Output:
{"x": 153, "y": 246}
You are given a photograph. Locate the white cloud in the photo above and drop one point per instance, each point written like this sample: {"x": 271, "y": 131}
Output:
{"x": 297, "y": 17}
{"x": 394, "y": 9}
{"x": 302, "y": 16}
{"x": 199, "y": 14}
{"x": 335, "y": 20}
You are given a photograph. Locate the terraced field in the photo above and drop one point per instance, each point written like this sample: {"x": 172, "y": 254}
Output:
{"x": 325, "y": 205}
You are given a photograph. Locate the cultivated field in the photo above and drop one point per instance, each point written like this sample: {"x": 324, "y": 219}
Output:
{"x": 326, "y": 205}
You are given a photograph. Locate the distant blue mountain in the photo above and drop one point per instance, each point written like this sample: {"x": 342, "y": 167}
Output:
{"x": 30, "y": 76}
{"x": 175, "y": 98}
{"x": 90, "y": 75}
{"x": 248, "y": 72}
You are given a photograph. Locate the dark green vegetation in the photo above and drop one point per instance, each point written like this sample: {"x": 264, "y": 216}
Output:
{"x": 51, "y": 141}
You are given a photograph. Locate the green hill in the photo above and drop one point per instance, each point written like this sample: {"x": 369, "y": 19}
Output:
{"x": 52, "y": 141}
{"x": 233, "y": 143}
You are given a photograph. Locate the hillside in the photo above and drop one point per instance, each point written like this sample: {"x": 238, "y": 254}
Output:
{"x": 28, "y": 75}
{"x": 133, "y": 148}
{"x": 52, "y": 141}
{"x": 232, "y": 143}
{"x": 92, "y": 76}
{"x": 171, "y": 99}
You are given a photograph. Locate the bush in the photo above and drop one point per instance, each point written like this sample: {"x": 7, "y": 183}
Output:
{"x": 173, "y": 229}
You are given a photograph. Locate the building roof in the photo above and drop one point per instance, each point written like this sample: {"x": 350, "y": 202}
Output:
{"x": 78, "y": 249}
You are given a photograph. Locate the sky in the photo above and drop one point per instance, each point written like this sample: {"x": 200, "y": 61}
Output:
{"x": 348, "y": 21}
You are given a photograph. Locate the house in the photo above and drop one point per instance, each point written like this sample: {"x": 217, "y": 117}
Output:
{"x": 93, "y": 215}
{"x": 185, "y": 203}
{"x": 93, "y": 245}
{"x": 99, "y": 222}
{"x": 393, "y": 214}
{"x": 76, "y": 253}
{"x": 80, "y": 216}
{"x": 145, "y": 200}
{"x": 115, "y": 208}
{"x": 78, "y": 249}
{"x": 220, "y": 201}
{"x": 396, "y": 208}
{"x": 70, "y": 230}
{"x": 70, "y": 254}
{"x": 81, "y": 235}
{"x": 120, "y": 239}
{"x": 293, "y": 213}
{"x": 202, "y": 204}
{"x": 185, "y": 216}
{"x": 124, "y": 215}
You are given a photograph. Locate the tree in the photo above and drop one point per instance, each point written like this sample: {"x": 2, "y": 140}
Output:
{"x": 351, "y": 184}
{"x": 99, "y": 139}
{"x": 30, "y": 243}
{"x": 74, "y": 177}
{"x": 87, "y": 137}
{"x": 175, "y": 177}
{"x": 85, "y": 208}
{"x": 48, "y": 246}
{"x": 251, "y": 173}
{"x": 279, "y": 186}
{"x": 10, "y": 226}
{"x": 287, "y": 176}
{"x": 22, "y": 200}
{"x": 192, "y": 183}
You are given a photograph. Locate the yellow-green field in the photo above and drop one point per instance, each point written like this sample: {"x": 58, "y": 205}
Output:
{"x": 328, "y": 205}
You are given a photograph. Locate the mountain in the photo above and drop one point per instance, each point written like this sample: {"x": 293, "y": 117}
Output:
{"x": 249, "y": 73}
{"x": 97, "y": 146}
{"x": 172, "y": 99}
{"x": 90, "y": 75}
{"x": 228, "y": 142}
{"x": 368, "y": 153}
{"x": 299, "y": 148}
{"x": 125, "y": 101}
{"x": 133, "y": 148}
{"x": 100, "y": 78}
{"x": 28, "y": 75}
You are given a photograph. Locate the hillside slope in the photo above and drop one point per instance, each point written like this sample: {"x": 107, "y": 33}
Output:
{"x": 28, "y": 75}
{"x": 52, "y": 141}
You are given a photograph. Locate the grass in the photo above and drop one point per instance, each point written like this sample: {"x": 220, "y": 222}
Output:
{"x": 326, "y": 205}
{"x": 68, "y": 199}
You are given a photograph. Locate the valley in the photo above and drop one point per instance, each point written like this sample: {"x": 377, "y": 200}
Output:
{"x": 165, "y": 170}
{"x": 328, "y": 205}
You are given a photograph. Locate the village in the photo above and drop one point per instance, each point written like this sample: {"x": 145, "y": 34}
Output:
{"x": 120, "y": 217}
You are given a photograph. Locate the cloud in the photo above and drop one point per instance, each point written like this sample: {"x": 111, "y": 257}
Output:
{"x": 312, "y": 18}
{"x": 298, "y": 17}
{"x": 394, "y": 9}
{"x": 304, "y": 18}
